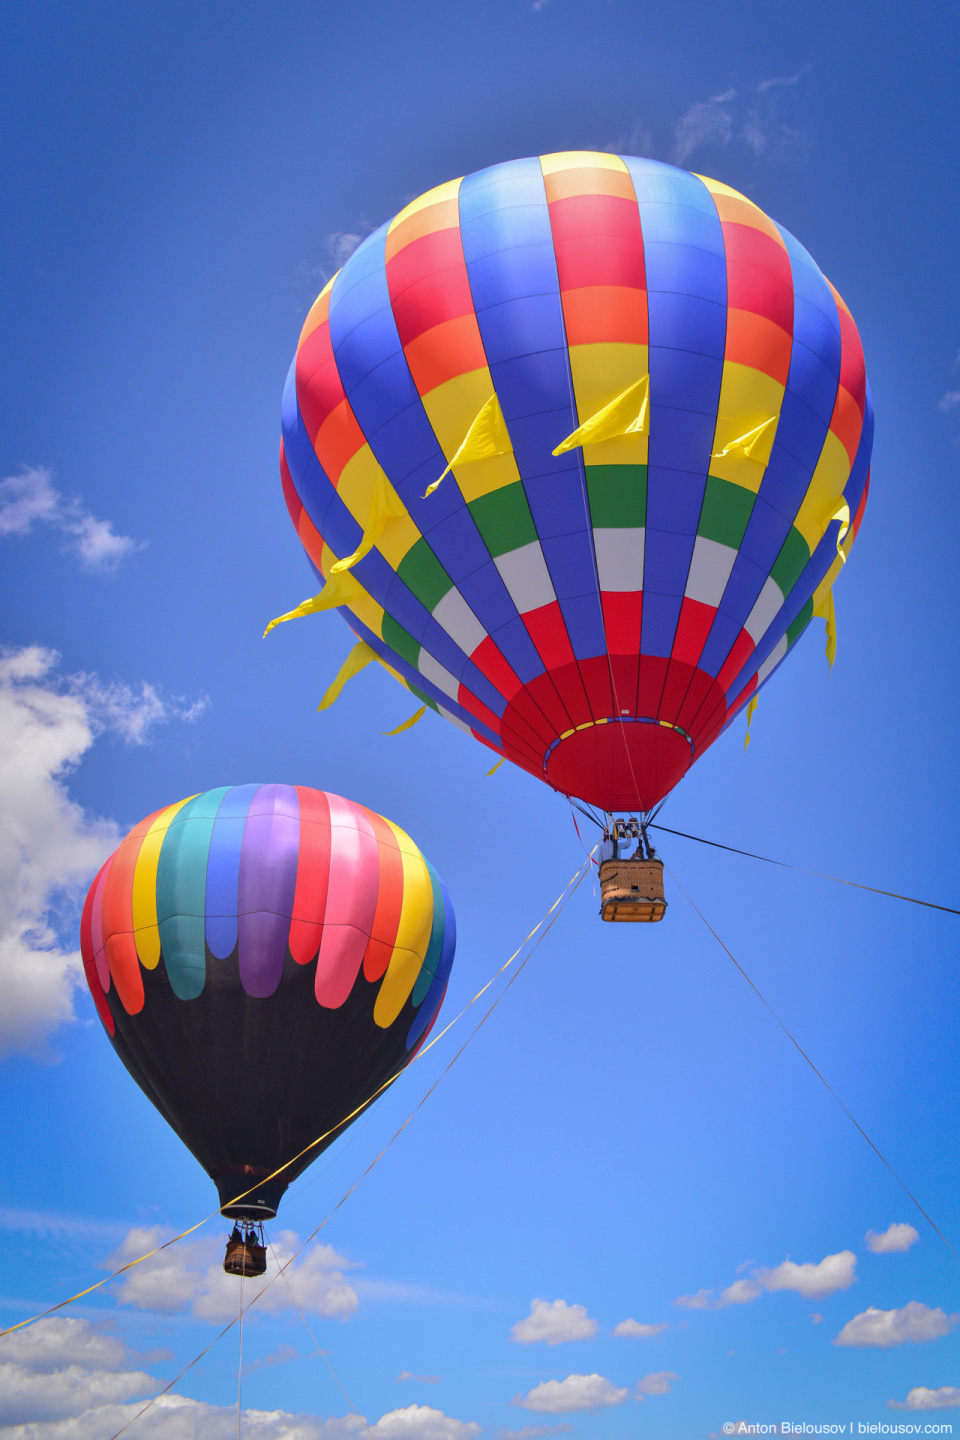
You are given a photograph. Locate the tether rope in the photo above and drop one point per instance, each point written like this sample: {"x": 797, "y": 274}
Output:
{"x": 319, "y": 1348}
{"x": 826, "y": 1084}
{"x": 560, "y": 901}
{"x": 819, "y": 875}
{"x": 555, "y": 909}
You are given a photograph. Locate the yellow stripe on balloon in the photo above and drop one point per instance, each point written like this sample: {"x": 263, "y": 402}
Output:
{"x": 413, "y": 933}
{"x": 145, "y": 929}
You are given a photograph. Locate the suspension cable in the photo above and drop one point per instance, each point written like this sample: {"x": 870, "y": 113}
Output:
{"x": 826, "y": 1084}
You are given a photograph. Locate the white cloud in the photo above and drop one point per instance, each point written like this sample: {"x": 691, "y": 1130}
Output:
{"x": 702, "y": 1300}
{"x": 739, "y": 1293}
{"x": 31, "y": 498}
{"x": 553, "y": 1322}
{"x": 534, "y": 1432}
{"x": 50, "y": 847}
{"x": 656, "y": 1384}
{"x": 815, "y": 1318}
{"x": 59, "y": 1368}
{"x": 949, "y": 401}
{"x": 421, "y": 1379}
{"x": 638, "y": 1331}
{"x": 70, "y": 1380}
{"x": 813, "y": 1282}
{"x": 577, "y": 1392}
{"x": 420, "y": 1422}
{"x": 921, "y": 1398}
{"x": 190, "y": 1277}
{"x": 883, "y": 1328}
{"x": 895, "y": 1238}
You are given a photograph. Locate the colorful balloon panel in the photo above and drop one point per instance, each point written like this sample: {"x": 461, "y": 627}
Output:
{"x": 599, "y": 616}
{"x": 263, "y": 958}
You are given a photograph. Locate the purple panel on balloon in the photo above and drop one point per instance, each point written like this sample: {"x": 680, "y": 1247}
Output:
{"x": 268, "y": 881}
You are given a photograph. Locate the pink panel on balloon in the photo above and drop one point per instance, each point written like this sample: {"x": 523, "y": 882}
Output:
{"x": 351, "y": 901}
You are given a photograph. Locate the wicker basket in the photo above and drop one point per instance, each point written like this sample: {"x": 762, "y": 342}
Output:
{"x": 245, "y": 1260}
{"x": 632, "y": 890}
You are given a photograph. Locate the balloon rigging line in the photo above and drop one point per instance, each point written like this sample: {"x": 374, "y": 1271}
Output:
{"x": 240, "y": 1366}
{"x": 909, "y": 1193}
{"x": 316, "y": 1343}
{"x": 560, "y": 901}
{"x": 785, "y": 864}
{"x": 558, "y": 906}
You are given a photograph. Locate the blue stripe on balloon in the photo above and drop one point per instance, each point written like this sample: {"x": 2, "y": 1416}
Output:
{"x": 512, "y": 269}
{"x": 223, "y": 870}
{"x": 431, "y": 1004}
{"x": 686, "y": 301}
{"x": 377, "y": 381}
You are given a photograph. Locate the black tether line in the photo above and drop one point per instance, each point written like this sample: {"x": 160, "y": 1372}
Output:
{"x": 826, "y": 1084}
{"x": 785, "y": 864}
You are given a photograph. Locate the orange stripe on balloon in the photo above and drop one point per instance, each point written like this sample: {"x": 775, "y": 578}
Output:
{"x": 313, "y": 873}
{"x": 442, "y": 353}
{"x": 594, "y": 314}
{"x": 386, "y": 921}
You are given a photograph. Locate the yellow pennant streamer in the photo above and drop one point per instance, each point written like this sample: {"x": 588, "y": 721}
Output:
{"x": 339, "y": 590}
{"x": 385, "y": 506}
{"x": 495, "y": 768}
{"x": 828, "y": 615}
{"x": 627, "y": 414}
{"x": 359, "y": 657}
{"x": 751, "y": 706}
{"x": 755, "y": 445}
{"x": 843, "y": 515}
{"x": 418, "y": 715}
{"x": 487, "y": 436}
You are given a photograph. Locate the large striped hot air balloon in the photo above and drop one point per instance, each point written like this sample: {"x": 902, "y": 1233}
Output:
{"x": 657, "y": 417}
{"x": 264, "y": 958}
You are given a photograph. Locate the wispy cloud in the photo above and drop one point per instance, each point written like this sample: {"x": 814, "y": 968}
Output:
{"x": 882, "y": 1329}
{"x": 553, "y": 1322}
{"x": 708, "y": 120}
{"x": 658, "y": 1383}
{"x": 422, "y": 1379}
{"x": 31, "y": 499}
{"x": 812, "y": 1281}
{"x": 778, "y": 81}
{"x": 49, "y": 846}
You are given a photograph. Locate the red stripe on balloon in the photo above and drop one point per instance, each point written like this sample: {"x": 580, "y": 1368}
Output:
{"x": 86, "y": 950}
{"x": 313, "y": 873}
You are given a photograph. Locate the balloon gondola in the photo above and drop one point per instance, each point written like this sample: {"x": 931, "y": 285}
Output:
{"x": 656, "y": 416}
{"x": 265, "y": 960}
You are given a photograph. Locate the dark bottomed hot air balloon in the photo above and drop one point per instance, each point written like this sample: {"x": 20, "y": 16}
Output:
{"x": 657, "y": 417}
{"x": 264, "y": 958}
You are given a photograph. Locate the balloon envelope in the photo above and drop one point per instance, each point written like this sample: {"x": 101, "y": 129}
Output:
{"x": 264, "y": 958}
{"x": 597, "y": 616}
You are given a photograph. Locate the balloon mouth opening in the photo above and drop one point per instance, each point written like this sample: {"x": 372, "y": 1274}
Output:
{"x": 626, "y": 763}
{"x": 263, "y": 1200}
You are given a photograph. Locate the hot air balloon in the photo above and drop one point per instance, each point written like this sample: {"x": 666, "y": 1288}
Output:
{"x": 656, "y": 414}
{"x": 264, "y": 958}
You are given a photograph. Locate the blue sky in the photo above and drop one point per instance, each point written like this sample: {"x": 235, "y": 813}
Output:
{"x": 630, "y": 1127}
